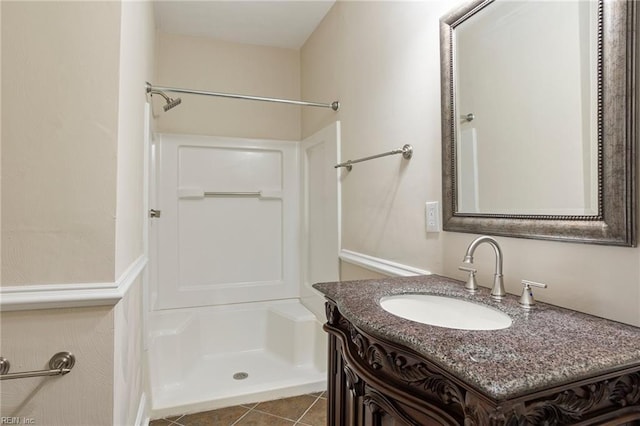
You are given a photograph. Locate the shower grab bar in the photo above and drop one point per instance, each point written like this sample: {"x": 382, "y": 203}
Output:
{"x": 333, "y": 105}
{"x": 195, "y": 193}
{"x": 233, "y": 194}
{"x": 406, "y": 151}
{"x": 59, "y": 365}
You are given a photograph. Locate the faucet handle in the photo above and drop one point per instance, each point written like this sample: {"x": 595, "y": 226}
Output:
{"x": 471, "y": 286}
{"x": 526, "y": 300}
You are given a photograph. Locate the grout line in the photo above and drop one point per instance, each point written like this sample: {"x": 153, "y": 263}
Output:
{"x": 276, "y": 416}
{"x": 309, "y": 408}
{"x": 297, "y": 422}
{"x": 244, "y": 415}
{"x": 286, "y": 418}
{"x": 175, "y": 422}
{"x": 249, "y": 408}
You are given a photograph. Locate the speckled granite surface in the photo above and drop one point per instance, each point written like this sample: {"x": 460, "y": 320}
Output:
{"x": 546, "y": 347}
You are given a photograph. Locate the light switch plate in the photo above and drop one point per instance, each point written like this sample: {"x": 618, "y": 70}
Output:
{"x": 432, "y": 216}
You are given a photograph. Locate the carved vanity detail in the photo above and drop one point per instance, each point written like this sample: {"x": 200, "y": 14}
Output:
{"x": 375, "y": 380}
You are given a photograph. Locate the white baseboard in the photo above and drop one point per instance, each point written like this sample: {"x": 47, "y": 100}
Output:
{"x": 382, "y": 266}
{"x": 48, "y": 296}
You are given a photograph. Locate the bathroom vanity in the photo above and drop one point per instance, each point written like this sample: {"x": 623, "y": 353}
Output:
{"x": 552, "y": 366}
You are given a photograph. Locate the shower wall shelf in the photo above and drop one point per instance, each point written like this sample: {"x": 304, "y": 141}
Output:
{"x": 335, "y": 105}
{"x": 59, "y": 365}
{"x": 406, "y": 151}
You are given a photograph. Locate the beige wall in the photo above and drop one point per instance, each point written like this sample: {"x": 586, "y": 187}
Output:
{"x": 82, "y": 397}
{"x": 0, "y": 147}
{"x": 60, "y": 104}
{"x": 381, "y": 60}
{"x": 218, "y": 66}
{"x": 73, "y": 77}
{"x": 353, "y": 272}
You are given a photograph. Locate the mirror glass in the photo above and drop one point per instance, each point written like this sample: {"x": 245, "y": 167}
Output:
{"x": 526, "y": 78}
{"x": 539, "y": 118}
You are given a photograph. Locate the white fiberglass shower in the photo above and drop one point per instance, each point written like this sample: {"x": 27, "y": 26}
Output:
{"x": 245, "y": 227}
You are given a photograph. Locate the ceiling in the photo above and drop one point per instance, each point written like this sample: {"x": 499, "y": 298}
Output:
{"x": 276, "y": 23}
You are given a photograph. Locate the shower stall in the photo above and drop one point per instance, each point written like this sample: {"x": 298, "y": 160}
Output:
{"x": 242, "y": 228}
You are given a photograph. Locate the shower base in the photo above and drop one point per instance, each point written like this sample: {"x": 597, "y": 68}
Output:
{"x": 274, "y": 349}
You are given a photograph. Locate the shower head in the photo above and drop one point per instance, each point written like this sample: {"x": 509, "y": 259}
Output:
{"x": 170, "y": 102}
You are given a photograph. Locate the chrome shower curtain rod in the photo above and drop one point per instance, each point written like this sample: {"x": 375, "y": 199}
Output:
{"x": 333, "y": 105}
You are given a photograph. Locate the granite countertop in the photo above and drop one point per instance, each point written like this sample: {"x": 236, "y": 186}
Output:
{"x": 546, "y": 347}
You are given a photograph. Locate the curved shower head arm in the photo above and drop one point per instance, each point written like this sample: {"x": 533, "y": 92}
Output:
{"x": 152, "y": 91}
{"x": 170, "y": 102}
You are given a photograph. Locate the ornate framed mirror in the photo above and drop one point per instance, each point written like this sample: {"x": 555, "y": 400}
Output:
{"x": 539, "y": 119}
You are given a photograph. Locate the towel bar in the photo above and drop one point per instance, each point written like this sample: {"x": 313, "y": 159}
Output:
{"x": 59, "y": 365}
{"x": 406, "y": 151}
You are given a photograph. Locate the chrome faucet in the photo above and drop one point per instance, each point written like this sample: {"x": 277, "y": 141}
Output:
{"x": 497, "y": 292}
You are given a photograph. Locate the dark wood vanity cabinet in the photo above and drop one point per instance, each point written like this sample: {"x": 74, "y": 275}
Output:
{"x": 379, "y": 383}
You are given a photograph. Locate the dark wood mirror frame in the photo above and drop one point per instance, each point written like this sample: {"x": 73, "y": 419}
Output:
{"x": 615, "y": 223}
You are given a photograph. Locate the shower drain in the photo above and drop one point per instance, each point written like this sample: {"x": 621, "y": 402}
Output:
{"x": 241, "y": 375}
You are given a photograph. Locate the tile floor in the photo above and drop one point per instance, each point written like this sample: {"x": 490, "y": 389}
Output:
{"x": 303, "y": 410}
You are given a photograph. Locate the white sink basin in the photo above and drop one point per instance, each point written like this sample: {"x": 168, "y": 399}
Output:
{"x": 445, "y": 312}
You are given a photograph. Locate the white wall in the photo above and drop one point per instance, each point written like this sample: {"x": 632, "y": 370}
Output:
{"x": 137, "y": 37}
{"x": 219, "y": 66}
{"x": 128, "y": 366}
{"x": 381, "y": 60}
{"x": 136, "y": 66}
